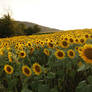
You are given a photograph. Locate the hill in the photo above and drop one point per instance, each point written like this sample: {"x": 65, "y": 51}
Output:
{"x": 43, "y": 28}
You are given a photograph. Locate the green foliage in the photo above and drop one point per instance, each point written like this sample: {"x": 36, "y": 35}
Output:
{"x": 10, "y": 27}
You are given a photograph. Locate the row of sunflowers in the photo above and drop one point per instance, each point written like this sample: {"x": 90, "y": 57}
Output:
{"x": 57, "y": 62}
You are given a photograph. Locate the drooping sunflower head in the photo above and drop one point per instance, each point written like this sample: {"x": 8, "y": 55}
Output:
{"x": 26, "y": 70}
{"x": 46, "y": 52}
{"x": 8, "y": 69}
{"x": 36, "y": 69}
{"x": 59, "y": 54}
{"x": 86, "y": 53}
{"x": 71, "y": 53}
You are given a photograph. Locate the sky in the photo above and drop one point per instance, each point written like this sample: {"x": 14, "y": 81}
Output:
{"x": 59, "y": 14}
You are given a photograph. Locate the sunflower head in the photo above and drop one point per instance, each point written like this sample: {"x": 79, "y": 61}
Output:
{"x": 64, "y": 44}
{"x": 26, "y": 70}
{"x": 22, "y": 54}
{"x": 36, "y": 69}
{"x": 71, "y": 53}
{"x": 8, "y": 69}
{"x": 46, "y": 52}
{"x": 50, "y": 45}
{"x": 86, "y": 53}
{"x": 82, "y": 40}
{"x": 29, "y": 44}
{"x": 71, "y": 40}
{"x": 59, "y": 54}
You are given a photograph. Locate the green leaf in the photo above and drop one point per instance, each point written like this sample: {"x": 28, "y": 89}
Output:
{"x": 81, "y": 68}
{"x": 83, "y": 87}
{"x": 54, "y": 90}
{"x": 51, "y": 75}
{"x": 34, "y": 84}
{"x": 89, "y": 79}
{"x": 43, "y": 88}
{"x": 87, "y": 88}
{"x": 60, "y": 73}
{"x": 26, "y": 90}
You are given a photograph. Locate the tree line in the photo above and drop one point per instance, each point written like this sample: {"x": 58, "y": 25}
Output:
{"x": 9, "y": 27}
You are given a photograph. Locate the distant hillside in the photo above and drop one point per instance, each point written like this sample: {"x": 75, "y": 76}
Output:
{"x": 43, "y": 28}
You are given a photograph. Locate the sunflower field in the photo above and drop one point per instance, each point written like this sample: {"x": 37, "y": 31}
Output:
{"x": 56, "y": 62}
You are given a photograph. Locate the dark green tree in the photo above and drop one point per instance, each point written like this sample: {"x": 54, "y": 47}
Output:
{"x": 29, "y": 31}
{"x": 9, "y": 27}
{"x": 36, "y": 29}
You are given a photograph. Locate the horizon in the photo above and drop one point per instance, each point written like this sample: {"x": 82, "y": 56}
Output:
{"x": 58, "y": 14}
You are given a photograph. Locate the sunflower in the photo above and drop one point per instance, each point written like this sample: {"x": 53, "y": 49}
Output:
{"x": 47, "y": 40}
{"x": 42, "y": 43}
{"x": 82, "y": 40}
{"x": 64, "y": 44}
{"x": 29, "y": 44}
{"x": 46, "y": 52}
{"x": 86, "y": 53}
{"x": 50, "y": 44}
{"x": 86, "y": 35}
{"x": 59, "y": 54}
{"x": 22, "y": 54}
{"x": 71, "y": 53}
{"x": 71, "y": 40}
{"x": 26, "y": 70}
{"x": 80, "y": 49}
{"x": 8, "y": 69}
{"x": 36, "y": 68}
{"x": 76, "y": 40}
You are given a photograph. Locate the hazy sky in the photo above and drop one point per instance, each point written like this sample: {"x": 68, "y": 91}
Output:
{"x": 60, "y": 14}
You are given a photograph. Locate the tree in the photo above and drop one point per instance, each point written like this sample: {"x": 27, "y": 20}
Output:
{"x": 9, "y": 27}
{"x": 29, "y": 31}
{"x": 36, "y": 29}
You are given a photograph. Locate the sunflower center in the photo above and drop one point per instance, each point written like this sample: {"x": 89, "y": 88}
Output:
{"x": 8, "y": 69}
{"x": 60, "y": 54}
{"x": 64, "y": 43}
{"x": 26, "y": 71}
{"x": 71, "y": 40}
{"x": 86, "y": 36}
{"x": 76, "y": 40}
{"x": 50, "y": 44}
{"x": 66, "y": 39}
{"x": 71, "y": 53}
{"x": 37, "y": 68}
{"x": 81, "y": 40}
{"x": 46, "y": 51}
{"x": 22, "y": 54}
{"x": 29, "y": 44}
{"x": 88, "y": 53}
